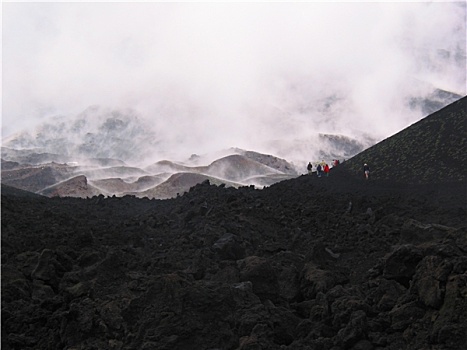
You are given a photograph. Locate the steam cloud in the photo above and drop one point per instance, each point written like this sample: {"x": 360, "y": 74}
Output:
{"x": 214, "y": 75}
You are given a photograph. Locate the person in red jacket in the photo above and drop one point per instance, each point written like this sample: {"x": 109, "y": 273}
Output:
{"x": 326, "y": 169}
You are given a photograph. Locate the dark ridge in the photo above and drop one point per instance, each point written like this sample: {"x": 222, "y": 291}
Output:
{"x": 9, "y": 191}
{"x": 430, "y": 151}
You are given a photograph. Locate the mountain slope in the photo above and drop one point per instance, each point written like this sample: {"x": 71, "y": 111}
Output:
{"x": 430, "y": 151}
{"x": 75, "y": 187}
{"x": 179, "y": 183}
{"x": 237, "y": 168}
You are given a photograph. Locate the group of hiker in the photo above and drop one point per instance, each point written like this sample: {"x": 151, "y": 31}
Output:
{"x": 323, "y": 168}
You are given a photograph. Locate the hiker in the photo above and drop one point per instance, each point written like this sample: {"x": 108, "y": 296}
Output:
{"x": 366, "y": 170}
{"x": 326, "y": 169}
{"x": 309, "y": 168}
{"x": 318, "y": 170}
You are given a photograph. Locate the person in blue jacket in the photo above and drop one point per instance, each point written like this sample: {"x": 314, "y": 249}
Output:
{"x": 318, "y": 170}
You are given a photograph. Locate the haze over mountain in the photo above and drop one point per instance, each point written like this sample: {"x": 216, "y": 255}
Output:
{"x": 107, "y": 152}
{"x": 194, "y": 78}
{"x": 54, "y": 174}
{"x": 105, "y": 133}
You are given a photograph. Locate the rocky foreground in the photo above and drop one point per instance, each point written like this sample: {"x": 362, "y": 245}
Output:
{"x": 334, "y": 262}
{"x": 294, "y": 266}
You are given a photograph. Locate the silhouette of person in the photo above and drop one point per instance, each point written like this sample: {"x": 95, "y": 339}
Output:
{"x": 366, "y": 170}
{"x": 309, "y": 168}
{"x": 318, "y": 170}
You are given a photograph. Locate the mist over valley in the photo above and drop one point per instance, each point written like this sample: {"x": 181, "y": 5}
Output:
{"x": 117, "y": 152}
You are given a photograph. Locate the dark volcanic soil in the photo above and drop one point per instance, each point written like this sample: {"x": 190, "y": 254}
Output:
{"x": 335, "y": 262}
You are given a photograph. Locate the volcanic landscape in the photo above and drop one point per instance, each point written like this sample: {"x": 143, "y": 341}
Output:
{"x": 305, "y": 262}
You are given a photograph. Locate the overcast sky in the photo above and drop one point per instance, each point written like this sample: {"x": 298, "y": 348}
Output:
{"x": 231, "y": 73}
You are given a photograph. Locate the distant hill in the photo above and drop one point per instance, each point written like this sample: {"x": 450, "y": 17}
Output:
{"x": 179, "y": 183}
{"x": 434, "y": 101}
{"x": 75, "y": 187}
{"x": 161, "y": 180}
{"x": 97, "y": 132}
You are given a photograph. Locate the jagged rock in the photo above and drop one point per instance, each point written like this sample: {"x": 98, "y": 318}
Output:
{"x": 40, "y": 291}
{"x": 229, "y": 248}
{"x": 289, "y": 265}
{"x": 314, "y": 280}
{"x": 14, "y": 285}
{"x": 405, "y": 314}
{"x": 45, "y": 268}
{"x": 261, "y": 274}
{"x": 430, "y": 280}
{"x": 355, "y": 330}
{"x": 401, "y": 263}
{"x": 385, "y": 293}
{"x": 344, "y": 307}
{"x": 448, "y": 328}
